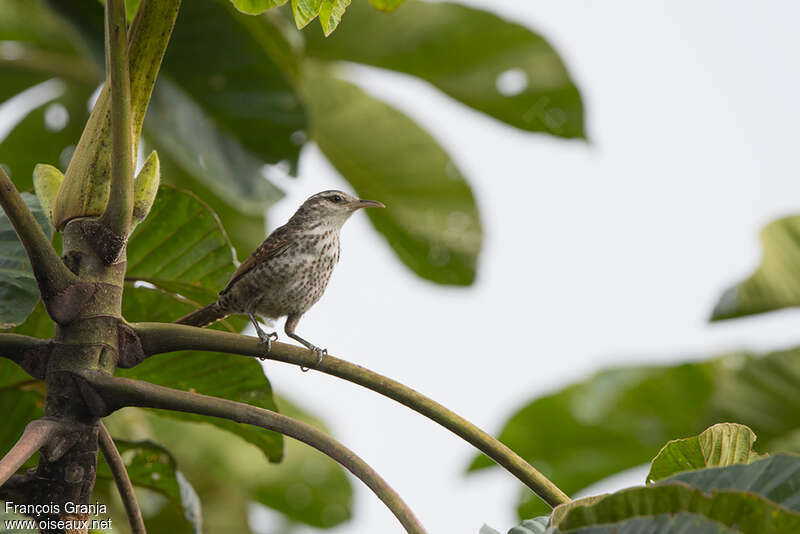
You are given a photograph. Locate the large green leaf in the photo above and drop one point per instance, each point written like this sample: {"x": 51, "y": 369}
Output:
{"x": 493, "y": 65}
{"x": 774, "y": 477}
{"x": 181, "y": 248}
{"x": 220, "y": 375}
{"x": 613, "y": 420}
{"x": 749, "y": 513}
{"x": 245, "y": 231}
{"x": 431, "y": 220}
{"x": 776, "y": 282}
{"x": 681, "y": 523}
{"x": 19, "y": 292}
{"x": 177, "y": 126}
{"x": 757, "y": 498}
{"x": 720, "y": 445}
{"x": 229, "y": 64}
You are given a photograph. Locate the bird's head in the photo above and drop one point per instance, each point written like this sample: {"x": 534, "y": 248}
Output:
{"x": 331, "y": 208}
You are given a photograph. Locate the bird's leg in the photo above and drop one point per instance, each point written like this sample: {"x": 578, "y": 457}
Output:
{"x": 265, "y": 338}
{"x": 291, "y": 324}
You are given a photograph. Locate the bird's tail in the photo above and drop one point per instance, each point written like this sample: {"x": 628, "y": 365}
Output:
{"x": 204, "y": 316}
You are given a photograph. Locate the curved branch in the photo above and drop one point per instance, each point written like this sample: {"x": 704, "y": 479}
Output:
{"x": 37, "y": 433}
{"x": 30, "y": 353}
{"x": 166, "y": 337}
{"x": 122, "y": 480}
{"x": 106, "y": 394}
{"x": 50, "y": 272}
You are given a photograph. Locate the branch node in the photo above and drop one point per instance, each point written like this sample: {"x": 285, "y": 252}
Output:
{"x": 106, "y": 244}
{"x": 131, "y": 352}
{"x": 66, "y": 305}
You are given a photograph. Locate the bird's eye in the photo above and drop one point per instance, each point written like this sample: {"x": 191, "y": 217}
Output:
{"x": 337, "y": 198}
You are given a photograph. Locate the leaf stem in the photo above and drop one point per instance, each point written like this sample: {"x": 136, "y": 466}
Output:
{"x": 36, "y": 434}
{"x": 167, "y": 337}
{"x": 117, "y": 216}
{"x": 50, "y": 272}
{"x": 115, "y": 393}
{"x": 122, "y": 480}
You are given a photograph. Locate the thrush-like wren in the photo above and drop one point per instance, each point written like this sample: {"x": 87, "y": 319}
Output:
{"x": 289, "y": 271}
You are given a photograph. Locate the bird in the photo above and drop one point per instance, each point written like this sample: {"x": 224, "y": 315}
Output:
{"x": 288, "y": 273}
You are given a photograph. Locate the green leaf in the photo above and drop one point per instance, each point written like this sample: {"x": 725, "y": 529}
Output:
{"x": 561, "y": 511}
{"x": 681, "y": 523}
{"x": 19, "y": 291}
{"x": 490, "y": 64}
{"x": 221, "y": 375}
{"x": 149, "y": 465}
{"x": 762, "y": 392}
{"x": 178, "y": 126}
{"x": 614, "y": 420}
{"x": 720, "y": 445}
{"x": 774, "y": 478}
{"x": 239, "y": 77}
{"x": 776, "y": 282}
{"x": 330, "y": 14}
{"x": 181, "y": 248}
{"x": 256, "y": 7}
{"x": 749, "y": 513}
{"x": 245, "y": 231}
{"x": 431, "y": 220}
{"x": 305, "y": 11}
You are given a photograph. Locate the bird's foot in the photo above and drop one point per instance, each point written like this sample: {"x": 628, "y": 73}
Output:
{"x": 321, "y": 353}
{"x": 267, "y": 340}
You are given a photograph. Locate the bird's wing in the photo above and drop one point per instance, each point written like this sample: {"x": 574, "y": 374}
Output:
{"x": 278, "y": 242}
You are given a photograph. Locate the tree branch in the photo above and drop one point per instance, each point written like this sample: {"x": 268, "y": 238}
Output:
{"x": 156, "y": 338}
{"x": 117, "y": 215}
{"x": 30, "y": 353}
{"x": 106, "y": 394}
{"x": 51, "y": 274}
{"x": 122, "y": 480}
{"x": 37, "y": 433}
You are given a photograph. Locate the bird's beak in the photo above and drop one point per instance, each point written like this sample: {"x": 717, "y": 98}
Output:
{"x": 369, "y": 204}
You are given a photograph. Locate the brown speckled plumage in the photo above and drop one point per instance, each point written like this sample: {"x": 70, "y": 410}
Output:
{"x": 289, "y": 271}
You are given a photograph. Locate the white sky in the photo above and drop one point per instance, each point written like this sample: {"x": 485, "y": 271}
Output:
{"x": 612, "y": 252}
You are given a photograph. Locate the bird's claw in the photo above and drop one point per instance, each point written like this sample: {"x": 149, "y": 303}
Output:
{"x": 321, "y": 353}
{"x": 267, "y": 340}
